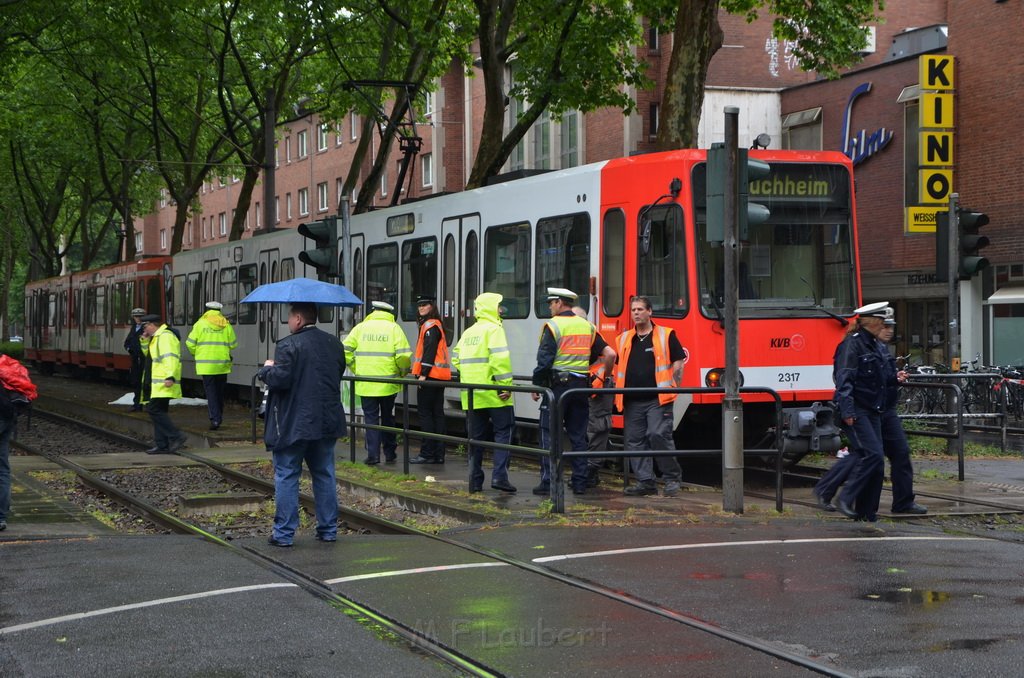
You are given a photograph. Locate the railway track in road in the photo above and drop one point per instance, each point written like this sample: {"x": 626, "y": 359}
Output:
{"x": 405, "y": 629}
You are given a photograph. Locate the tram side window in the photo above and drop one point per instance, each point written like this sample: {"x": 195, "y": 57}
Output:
{"x": 357, "y": 282}
{"x": 228, "y": 294}
{"x": 151, "y": 302}
{"x": 178, "y": 314}
{"x": 195, "y": 299}
{"x": 613, "y": 256}
{"x": 98, "y": 307}
{"x": 661, "y": 270}
{"x": 246, "y": 283}
{"x": 507, "y": 267}
{"x": 563, "y": 259}
{"x": 419, "y": 273}
{"x": 382, "y": 273}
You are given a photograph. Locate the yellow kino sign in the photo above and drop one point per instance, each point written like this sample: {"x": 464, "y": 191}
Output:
{"x": 935, "y": 142}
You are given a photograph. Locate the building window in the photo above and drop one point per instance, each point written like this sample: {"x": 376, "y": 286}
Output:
{"x": 321, "y": 196}
{"x": 288, "y": 206}
{"x": 427, "y": 169}
{"x": 428, "y": 104}
{"x": 277, "y": 210}
{"x": 277, "y": 155}
{"x": 801, "y": 131}
{"x": 653, "y": 121}
{"x": 303, "y": 202}
{"x": 517, "y": 159}
{"x": 301, "y": 141}
{"x": 163, "y": 238}
{"x": 910, "y": 96}
{"x": 223, "y": 220}
{"x": 321, "y": 137}
{"x": 287, "y": 149}
{"x": 570, "y": 139}
{"x": 203, "y": 227}
{"x": 542, "y": 141}
{"x": 259, "y": 215}
{"x": 383, "y": 183}
{"x": 163, "y": 197}
{"x": 354, "y": 118}
{"x": 338, "y": 135}
{"x": 340, "y": 184}
{"x": 138, "y": 243}
{"x": 653, "y": 39}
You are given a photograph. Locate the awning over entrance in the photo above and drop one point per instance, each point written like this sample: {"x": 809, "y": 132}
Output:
{"x": 1007, "y": 295}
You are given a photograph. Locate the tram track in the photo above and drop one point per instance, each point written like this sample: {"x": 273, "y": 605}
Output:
{"x": 408, "y": 632}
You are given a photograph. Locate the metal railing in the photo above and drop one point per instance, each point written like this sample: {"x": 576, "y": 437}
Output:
{"x": 555, "y": 454}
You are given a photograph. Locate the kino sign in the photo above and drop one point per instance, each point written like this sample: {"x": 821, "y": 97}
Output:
{"x": 935, "y": 142}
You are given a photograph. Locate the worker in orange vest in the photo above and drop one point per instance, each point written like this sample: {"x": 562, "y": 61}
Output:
{"x": 430, "y": 363}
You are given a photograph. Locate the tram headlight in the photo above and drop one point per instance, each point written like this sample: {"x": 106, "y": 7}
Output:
{"x": 714, "y": 377}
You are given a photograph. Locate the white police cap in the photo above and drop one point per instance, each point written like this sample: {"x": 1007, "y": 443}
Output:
{"x": 382, "y": 306}
{"x": 880, "y": 309}
{"x": 215, "y": 305}
{"x": 561, "y": 293}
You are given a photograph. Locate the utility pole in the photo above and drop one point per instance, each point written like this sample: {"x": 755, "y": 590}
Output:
{"x": 732, "y": 404}
{"x": 269, "y": 187}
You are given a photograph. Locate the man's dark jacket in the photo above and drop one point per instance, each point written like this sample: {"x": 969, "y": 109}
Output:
{"x": 865, "y": 375}
{"x": 305, "y": 389}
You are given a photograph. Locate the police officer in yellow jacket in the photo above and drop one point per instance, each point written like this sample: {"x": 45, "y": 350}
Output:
{"x": 377, "y": 347}
{"x": 568, "y": 345}
{"x": 164, "y": 384}
{"x": 482, "y": 357}
{"x": 211, "y": 341}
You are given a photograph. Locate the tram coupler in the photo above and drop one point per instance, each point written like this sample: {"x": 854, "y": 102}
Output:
{"x": 809, "y": 429}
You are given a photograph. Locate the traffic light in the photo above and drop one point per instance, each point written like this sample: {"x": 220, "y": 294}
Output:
{"x": 324, "y": 257}
{"x": 746, "y": 212}
{"x": 971, "y": 262}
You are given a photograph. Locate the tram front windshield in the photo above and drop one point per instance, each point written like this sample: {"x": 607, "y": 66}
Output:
{"x": 797, "y": 263}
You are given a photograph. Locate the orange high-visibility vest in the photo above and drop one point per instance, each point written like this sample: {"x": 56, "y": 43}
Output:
{"x": 441, "y": 368}
{"x": 662, "y": 365}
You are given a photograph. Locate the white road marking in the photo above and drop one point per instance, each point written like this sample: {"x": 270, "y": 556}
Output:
{"x": 415, "y": 570}
{"x": 757, "y": 542}
{"x": 457, "y": 566}
{"x": 136, "y": 606}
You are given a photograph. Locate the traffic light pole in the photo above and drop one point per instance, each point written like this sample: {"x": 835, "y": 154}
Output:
{"x": 952, "y": 291}
{"x": 732, "y": 405}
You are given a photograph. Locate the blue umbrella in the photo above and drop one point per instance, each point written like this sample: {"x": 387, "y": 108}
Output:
{"x": 302, "y": 290}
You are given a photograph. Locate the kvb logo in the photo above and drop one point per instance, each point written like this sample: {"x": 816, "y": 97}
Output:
{"x": 796, "y": 342}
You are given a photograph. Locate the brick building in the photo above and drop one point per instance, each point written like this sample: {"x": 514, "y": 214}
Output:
{"x": 758, "y": 73}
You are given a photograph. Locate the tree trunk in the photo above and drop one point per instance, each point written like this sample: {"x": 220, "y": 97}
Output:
{"x": 697, "y": 37}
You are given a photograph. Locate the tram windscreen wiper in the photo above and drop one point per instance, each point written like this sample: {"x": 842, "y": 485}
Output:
{"x": 817, "y": 307}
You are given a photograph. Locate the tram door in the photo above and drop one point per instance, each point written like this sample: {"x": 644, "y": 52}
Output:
{"x": 211, "y": 285}
{"x": 460, "y": 273}
{"x": 269, "y": 314}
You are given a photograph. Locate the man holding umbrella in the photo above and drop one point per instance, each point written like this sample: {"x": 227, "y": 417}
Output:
{"x": 304, "y": 420}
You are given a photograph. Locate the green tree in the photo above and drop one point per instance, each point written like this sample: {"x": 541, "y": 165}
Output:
{"x": 561, "y": 55}
{"x": 827, "y": 33}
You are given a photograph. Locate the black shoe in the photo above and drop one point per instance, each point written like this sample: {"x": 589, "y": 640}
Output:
{"x": 593, "y": 476}
{"x": 439, "y": 460}
{"x": 280, "y": 544}
{"x": 845, "y": 509}
{"x": 473, "y": 489}
{"x": 542, "y": 490}
{"x": 578, "y": 490}
{"x": 177, "y": 445}
{"x": 136, "y": 408}
{"x": 914, "y": 509}
{"x": 823, "y": 504}
{"x": 156, "y": 450}
{"x": 421, "y": 460}
{"x": 503, "y": 485}
{"x": 3, "y": 525}
{"x": 329, "y": 540}
{"x": 640, "y": 490}
{"x": 214, "y": 427}
{"x": 371, "y": 462}
{"x": 391, "y": 460}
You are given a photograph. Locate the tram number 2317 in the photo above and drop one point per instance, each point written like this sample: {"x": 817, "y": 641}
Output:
{"x": 788, "y": 377}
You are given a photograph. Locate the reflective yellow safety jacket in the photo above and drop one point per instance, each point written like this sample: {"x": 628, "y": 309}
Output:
{"x": 482, "y": 357}
{"x": 377, "y": 347}
{"x": 165, "y": 352}
{"x": 211, "y": 341}
{"x": 574, "y": 336}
